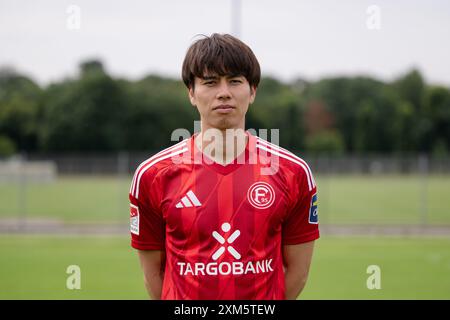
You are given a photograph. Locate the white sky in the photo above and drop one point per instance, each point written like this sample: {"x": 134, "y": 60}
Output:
{"x": 291, "y": 38}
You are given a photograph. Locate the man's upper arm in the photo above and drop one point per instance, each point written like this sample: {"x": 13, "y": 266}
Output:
{"x": 301, "y": 224}
{"x": 297, "y": 260}
{"x": 152, "y": 265}
{"x": 147, "y": 225}
{"x": 298, "y": 256}
{"x": 152, "y": 261}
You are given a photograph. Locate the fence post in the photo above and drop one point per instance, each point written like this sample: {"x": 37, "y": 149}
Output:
{"x": 423, "y": 197}
{"x": 324, "y": 163}
{"x": 22, "y": 192}
{"x": 122, "y": 173}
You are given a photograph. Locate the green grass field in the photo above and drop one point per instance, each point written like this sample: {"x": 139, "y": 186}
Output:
{"x": 389, "y": 199}
{"x": 72, "y": 199}
{"x": 34, "y": 267}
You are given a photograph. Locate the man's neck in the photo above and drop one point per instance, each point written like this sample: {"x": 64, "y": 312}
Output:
{"x": 222, "y": 146}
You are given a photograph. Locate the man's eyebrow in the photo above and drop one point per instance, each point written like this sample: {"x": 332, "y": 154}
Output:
{"x": 217, "y": 77}
{"x": 234, "y": 76}
{"x": 209, "y": 77}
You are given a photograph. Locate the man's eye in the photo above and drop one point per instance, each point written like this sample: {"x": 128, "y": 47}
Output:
{"x": 209, "y": 83}
{"x": 236, "y": 81}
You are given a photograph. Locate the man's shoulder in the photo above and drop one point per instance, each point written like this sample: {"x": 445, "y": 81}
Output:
{"x": 165, "y": 156}
{"x": 284, "y": 156}
{"x": 285, "y": 159}
{"x": 150, "y": 167}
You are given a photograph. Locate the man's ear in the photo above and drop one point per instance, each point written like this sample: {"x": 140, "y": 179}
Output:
{"x": 191, "y": 96}
{"x": 252, "y": 94}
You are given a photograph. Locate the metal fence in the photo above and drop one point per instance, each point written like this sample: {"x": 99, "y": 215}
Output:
{"x": 93, "y": 189}
{"x": 125, "y": 162}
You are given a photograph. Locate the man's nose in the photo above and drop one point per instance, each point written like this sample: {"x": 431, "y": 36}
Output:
{"x": 223, "y": 90}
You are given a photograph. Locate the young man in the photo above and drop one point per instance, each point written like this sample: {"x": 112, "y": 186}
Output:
{"x": 223, "y": 214}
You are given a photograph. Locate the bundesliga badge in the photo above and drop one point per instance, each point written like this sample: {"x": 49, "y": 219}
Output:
{"x": 313, "y": 217}
{"x": 134, "y": 219}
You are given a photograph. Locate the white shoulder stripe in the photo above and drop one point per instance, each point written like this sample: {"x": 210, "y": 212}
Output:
{"x": 261, "y": 140}
{"x": 136, "y": 195}
{"x": 288, "y": 153}
{"x": 290, "y": 159}
{"x": 165, "y": 151}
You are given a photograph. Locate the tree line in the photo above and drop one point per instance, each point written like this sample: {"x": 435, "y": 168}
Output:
{"x": 94, "y": 112}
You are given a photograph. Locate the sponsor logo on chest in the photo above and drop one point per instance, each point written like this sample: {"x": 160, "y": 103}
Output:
{"x": 214, "y": 268}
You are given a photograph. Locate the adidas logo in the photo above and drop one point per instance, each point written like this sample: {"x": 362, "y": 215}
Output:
{"x": 190, "y": 200}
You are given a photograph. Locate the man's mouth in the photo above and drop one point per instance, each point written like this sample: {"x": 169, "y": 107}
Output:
{"x": 223, "y": 108}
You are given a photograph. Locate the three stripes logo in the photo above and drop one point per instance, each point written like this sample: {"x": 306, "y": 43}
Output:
{"x": 189, "y": 200}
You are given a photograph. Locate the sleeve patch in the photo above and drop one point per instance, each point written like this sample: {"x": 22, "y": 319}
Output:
{"x": 313, "y": 217}
{"x": 134, "y": 219}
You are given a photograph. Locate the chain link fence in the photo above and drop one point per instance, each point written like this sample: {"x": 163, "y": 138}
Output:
{"x": 92, "y": 190}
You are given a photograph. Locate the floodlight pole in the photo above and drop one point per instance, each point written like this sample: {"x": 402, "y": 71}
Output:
{"x": 236, "y": 18}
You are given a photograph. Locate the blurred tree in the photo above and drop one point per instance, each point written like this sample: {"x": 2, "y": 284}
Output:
{"x": 7, "y": 146}
{"x": 156, "y": 107}
{"x": 411, "y": 89}
{"x": 438, "y": 107}
{"x": 328, "y": 142}
{"x": 317, "y": 118}
{"x": 342, "y": 97}
{"x": 403, "y": 126}
{"x": 95, "y": 112}
{"x": 91, "y": 67}
{"x": 19, "y": 110}
{"x": 378, "y": 122}
{"x": 277, "y": 106}
{"x": 85, "y": 114}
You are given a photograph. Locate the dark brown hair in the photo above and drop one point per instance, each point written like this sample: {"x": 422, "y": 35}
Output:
{"x": 220, "y": 54}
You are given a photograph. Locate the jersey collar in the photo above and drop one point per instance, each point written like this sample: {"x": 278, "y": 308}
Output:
{"x": 200, "y": 158}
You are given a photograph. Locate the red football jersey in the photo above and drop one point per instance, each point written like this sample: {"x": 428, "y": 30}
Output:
{"x": 223, "y": 226}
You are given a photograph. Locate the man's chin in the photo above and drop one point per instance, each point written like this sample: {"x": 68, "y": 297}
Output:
{"x": 225, "y": 124}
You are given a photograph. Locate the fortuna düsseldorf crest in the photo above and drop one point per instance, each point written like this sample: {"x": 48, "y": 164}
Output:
{"x": 261, "y": 195}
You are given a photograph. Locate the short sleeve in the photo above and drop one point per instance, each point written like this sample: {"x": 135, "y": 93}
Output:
{"x": 147, "y": 225}
{"x": 302, "y": 222}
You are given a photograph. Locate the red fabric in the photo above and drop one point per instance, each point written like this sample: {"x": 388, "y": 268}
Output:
{"x": 226, "y": 196}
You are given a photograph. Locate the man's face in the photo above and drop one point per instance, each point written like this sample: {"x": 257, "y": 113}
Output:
{"x": 222, "y": 101}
